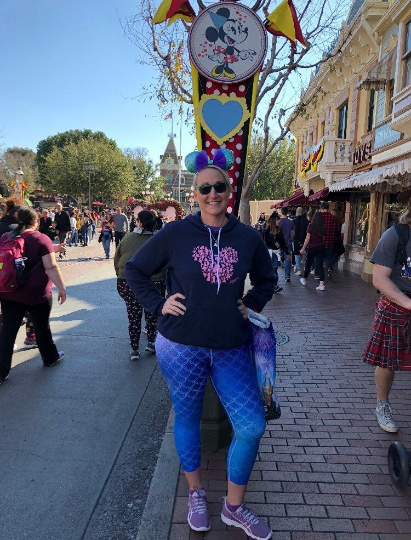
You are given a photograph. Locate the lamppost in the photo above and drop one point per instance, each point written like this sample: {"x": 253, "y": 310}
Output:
{"x": 89, "y": 167}
{"x": 18, "y": 183}
{"x": 148, "y": 194}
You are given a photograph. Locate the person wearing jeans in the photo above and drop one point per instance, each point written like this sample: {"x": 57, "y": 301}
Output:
{"x": 288, "y": 228}
{"x": 300, "y": 224}
{"x": 121, "y": 226}
{"x": 106, "y": 236}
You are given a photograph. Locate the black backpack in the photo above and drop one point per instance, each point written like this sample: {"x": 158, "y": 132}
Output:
{"x": 403, "y": 232}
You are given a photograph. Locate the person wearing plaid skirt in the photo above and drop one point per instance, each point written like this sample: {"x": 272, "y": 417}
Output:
{"x": 389, "y": 348}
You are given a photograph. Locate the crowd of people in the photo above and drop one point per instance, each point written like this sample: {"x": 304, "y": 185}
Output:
{"x": 188, "y": 279}
{"x": 295, "y": 237}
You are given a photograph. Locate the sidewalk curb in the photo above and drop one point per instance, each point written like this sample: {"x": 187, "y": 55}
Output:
{"x": 158, "y": 510}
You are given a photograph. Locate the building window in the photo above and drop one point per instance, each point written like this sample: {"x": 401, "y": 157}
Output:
{"x": 322, "y": 131}
{"x": 371, "y": 107}
{"x": 389, "y": 93}
{"x": 407, "y": 55}
{"x": 169, "y": 179}
{"x": 342, "y": 121}
{"x": 361, "y": 221}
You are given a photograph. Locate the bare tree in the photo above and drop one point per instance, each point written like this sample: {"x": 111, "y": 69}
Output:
{"x": 283, "y": 76}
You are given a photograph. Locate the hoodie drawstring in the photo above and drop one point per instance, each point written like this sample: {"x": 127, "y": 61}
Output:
{"x": 218, "y": 256}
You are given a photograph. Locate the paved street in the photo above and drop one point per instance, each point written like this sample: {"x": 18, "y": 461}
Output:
{"x": 322, "y": 468}
{"x": 80, "y": 441}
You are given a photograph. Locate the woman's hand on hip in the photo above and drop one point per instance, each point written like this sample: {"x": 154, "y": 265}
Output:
{"x": 242, "y": 308}
{"x": 173, "y": 307}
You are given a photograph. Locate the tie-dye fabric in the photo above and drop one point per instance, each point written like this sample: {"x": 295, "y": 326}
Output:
{"x": 185, "y": 369}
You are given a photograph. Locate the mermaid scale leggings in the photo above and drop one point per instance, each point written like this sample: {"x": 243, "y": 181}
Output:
{"x": 185, "y": 369}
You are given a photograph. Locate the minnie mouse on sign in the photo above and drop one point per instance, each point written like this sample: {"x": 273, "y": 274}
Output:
{"x": 230, "y": 32}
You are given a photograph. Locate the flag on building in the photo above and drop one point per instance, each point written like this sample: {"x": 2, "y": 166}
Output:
{"x": 169, "y": 116}
{"x": 283, "y": 21}
{"x": 172, "y": 10}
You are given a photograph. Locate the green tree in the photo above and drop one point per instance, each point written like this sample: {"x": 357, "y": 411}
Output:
{"x": 10, "y": 161}
{"x": 60, "y": 140}
{"x": 275, "y": 178}
{"x": 145, "y": 172}
{"x": 112, "y": 177}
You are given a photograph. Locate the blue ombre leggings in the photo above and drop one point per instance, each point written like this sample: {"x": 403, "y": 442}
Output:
{"x": 185, "y": 369}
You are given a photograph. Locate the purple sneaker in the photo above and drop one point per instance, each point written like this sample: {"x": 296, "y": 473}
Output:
{"x": 245, "y": 519}
{"x": 198, "y": 517}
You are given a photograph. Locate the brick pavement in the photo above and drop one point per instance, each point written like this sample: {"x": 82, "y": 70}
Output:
{"x": 81, "y": 260}
{"x": 321, "y": 471}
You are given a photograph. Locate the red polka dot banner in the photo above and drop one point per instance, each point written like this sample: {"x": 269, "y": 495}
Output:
{"x": 227, "y": 45}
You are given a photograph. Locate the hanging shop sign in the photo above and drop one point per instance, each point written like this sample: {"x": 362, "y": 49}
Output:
{"x": 362, "y": 153}
{"x": 383, "y": 136}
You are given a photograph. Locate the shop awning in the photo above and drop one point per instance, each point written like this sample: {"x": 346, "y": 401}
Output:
{"x": 380, "y": 74}
{"x": 319, "y": 194}
{"x": 297, "y": 199}
{"x": 389, "y": 178}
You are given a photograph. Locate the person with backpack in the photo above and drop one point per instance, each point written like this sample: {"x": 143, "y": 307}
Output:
{"x": 389, "y": 348}
{"x": 28, "y": 289}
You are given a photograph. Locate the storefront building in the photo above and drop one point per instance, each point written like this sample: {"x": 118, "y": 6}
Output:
{"x": 354, "y": 139}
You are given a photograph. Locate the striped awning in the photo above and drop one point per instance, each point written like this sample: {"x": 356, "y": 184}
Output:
{"x": 297, "y": 199}
{"x": 383, "y": 72}
{"x": 389, "y": 178}
{"x": 319, "y": 194}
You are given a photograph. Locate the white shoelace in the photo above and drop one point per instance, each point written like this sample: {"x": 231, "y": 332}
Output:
{"x": 199, "y": 502}
{"x": 248, "y": 515}
{"x": 387, "y": 413}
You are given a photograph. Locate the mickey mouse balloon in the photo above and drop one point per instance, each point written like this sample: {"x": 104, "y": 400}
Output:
{"x": 227, "y": 42}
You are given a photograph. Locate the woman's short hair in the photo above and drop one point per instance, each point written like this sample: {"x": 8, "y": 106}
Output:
{"x": 299, "y": 211}
{"x": 147, "y": 220}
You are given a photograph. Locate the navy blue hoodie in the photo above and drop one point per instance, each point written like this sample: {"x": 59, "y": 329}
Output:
{"x": 210, "y": 273}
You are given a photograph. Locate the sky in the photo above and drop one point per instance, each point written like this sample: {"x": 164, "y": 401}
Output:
{"x": 68, "y": 65}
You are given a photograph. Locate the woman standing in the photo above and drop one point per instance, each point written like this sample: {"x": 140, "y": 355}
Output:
{"x": 106, "y": 235}
{"x": 315, "y": 245}
{"x": 389, "y": 348}
{"x": 34, "y": 297}
{"x": 45, "y": 224}
{"x": 202, "y": 331}
{"x": 128, "y": 247}
{"x": 8, "y": 221}
{"x": 300, "y": 224}
{"x": 275, "y": 242}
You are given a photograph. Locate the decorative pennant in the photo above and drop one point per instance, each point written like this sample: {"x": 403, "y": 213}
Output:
{"x": 222, "y": 116}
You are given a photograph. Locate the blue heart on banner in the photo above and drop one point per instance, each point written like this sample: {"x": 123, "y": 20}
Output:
{"x": 222, "y": 116}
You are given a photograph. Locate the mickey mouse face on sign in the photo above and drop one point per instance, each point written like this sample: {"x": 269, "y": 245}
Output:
{"x": 227, "y": 44}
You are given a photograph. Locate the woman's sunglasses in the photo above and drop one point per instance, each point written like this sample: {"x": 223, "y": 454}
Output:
{"x": 219, "y": 187}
